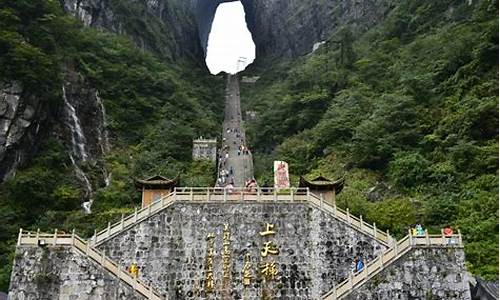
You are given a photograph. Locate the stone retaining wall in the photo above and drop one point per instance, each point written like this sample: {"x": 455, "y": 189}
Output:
{"x": 316, "y": 250}
{"x": 423, "y": 274}
{"x": 62, "y": 273}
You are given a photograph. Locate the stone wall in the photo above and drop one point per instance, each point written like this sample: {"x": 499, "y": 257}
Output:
{"x": 424, "y": 274}
{"x": 170, "y": 248}
{"x": 53, "y": 273}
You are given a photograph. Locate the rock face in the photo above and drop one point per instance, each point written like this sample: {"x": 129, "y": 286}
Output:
{"x": 280, "y": 28}
{"x": 79, "y": 122}
{"x": 63, "y": 273}
{"x": 165, "y": 27}
{"x": 20, "y": 119}
{"x": 290, "y": 28}
{"x": 434, "y": 273}
{"x": 315, "y": 250}
{"x": 83, "y": 128}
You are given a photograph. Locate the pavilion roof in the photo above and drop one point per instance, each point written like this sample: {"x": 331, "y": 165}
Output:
{"x": 323, "y": 183}
{"x": 157, "y": 182}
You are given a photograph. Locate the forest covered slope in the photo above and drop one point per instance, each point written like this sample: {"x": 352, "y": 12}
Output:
{"x": 407, "y": 112}
{"x": 155, "y": 103}
{"x": 402, "y": 100}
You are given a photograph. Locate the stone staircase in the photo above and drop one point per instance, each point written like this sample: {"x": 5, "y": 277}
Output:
{"x": 222, "y": 195}
{"x": 394, "y": 251}
{"x": 389, "y": 257}
{"x": 72, "y": 240}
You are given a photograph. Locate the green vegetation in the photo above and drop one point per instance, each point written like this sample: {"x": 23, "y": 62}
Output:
{"x": 155, "y": 108}
{"x": 412, "y": 103}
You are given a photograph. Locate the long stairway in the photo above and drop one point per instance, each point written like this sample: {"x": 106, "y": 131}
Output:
{"x": 235, "y": 163}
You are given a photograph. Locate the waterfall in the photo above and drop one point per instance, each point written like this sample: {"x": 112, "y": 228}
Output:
{"x": 78, "y": 149}
{"x": 77, "y": 137}
{"x": 88, "y": 186}
{"x": 103, "y": 136}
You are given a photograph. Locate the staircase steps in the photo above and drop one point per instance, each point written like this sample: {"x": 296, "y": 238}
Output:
{"x": 222, "y": 195}
{"x": 386, "y": 259}
{"x": 74, "y": 241}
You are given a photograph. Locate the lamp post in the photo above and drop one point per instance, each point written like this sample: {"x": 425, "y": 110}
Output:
{"x": 241, "y": 59}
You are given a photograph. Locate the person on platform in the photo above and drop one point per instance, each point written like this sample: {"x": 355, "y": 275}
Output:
{"x": 420, "y": 230}
{"x": 448, "y": 233}
{"x": 414, "y": 231}
{"x": 230, "y": 188}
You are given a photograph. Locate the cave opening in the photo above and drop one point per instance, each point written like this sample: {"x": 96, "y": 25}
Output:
{"x": 230, "y": 46}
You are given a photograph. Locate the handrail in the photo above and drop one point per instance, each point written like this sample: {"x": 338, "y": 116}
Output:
{"x": 126, "y": 222}
{"x": 195, "y": 194}
{"x": 388, "y": 257}
{"x": 73, "y": 240}
{"x": 357, "y": 223}
{"x": 224, "y": 194}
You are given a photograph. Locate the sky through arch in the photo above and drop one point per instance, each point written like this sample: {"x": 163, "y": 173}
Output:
{"x": 230, "y": 46}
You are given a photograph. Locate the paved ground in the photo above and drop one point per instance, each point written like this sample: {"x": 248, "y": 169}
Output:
{"x": 235, "y": 161}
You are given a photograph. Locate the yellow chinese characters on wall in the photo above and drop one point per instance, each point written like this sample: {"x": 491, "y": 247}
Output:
{"x": 209, "y": 264}
{"x": 268, "y": 267}
{"x": 247, "y": 271}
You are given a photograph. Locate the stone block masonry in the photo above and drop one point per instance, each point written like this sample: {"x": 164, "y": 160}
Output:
{"x": 423, "y": 274}
{"x": 63, "y": 273}
{"x": 238, "y": 249}
{"x": 315, "y": 250}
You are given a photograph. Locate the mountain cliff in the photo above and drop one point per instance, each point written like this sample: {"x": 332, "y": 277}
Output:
{"x": 87, "y": 104}
{"x": 406, "y": 110}
{"x": 287, "y": 29}
{"x": 401, "y": 98}
{"x": 165, "y": 27}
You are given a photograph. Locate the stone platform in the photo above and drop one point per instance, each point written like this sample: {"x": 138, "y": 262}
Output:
{"x": 205, "y": 244}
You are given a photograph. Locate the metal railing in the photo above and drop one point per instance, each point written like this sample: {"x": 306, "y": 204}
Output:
{"x": 234, "y": 195}
{"x": 72, "y": 240}
{"x": 388, "y": 257}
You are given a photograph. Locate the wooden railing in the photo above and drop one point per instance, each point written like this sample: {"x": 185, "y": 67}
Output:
{"x": 72, "y": 240}
{"x": 224, "y": 195}
{"x": 388, "y": 257}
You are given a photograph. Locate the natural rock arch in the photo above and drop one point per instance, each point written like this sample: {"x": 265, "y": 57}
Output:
{"x": 205, "y": 14}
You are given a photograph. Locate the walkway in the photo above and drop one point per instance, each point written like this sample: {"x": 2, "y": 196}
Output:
{"x": 235, "y": 161}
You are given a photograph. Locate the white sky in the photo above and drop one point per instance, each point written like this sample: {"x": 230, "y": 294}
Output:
{"x": 229, "y": 40}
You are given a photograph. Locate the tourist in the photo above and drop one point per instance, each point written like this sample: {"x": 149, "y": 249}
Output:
{"x": 420, "y": 230}
{"x": 359, "y": 265}
{"x": 414, "y": 231}
{"x": 448, "y": 233}
{"x": 134, "y": 270}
